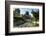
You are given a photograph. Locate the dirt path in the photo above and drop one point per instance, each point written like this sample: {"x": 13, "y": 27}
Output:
{"x": 27, "y": 24}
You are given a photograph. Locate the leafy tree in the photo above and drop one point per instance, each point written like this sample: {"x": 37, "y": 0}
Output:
{"x": 16, "y": 11}
{"x": 27, "y": 13}
{"x": 35, "y": 14}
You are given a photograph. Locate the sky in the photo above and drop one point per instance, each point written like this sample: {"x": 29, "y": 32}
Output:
{"x": 23, "y": 10}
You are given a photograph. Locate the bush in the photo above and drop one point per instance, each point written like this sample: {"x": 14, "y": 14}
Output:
{"x": 18, "y": 21}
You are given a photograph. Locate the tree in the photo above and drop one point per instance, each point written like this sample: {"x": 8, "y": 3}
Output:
{"x": 35, "y": 14}
{"x": 27, "y": 13}
{"x": 16, "y": 11}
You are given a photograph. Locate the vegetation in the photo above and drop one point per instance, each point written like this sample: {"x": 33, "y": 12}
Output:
{"x": 16, "y": 11}
{"x": 22, "y": 20}
{"x": 18, "y": 20}
{"x": 35, "y": 16}
{"x": 27, "y": 13}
